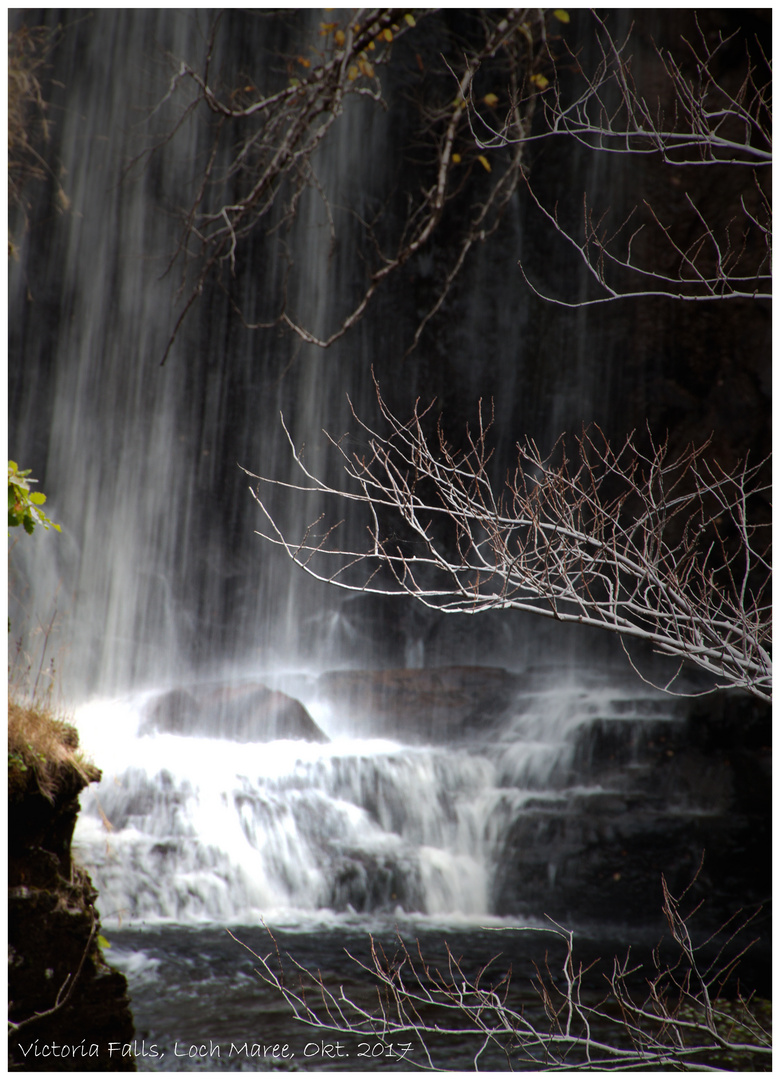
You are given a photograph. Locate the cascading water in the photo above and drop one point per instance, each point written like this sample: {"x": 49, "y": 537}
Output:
{"x": 187, "y": 827}
{"x": 296, "y": 831}
{"x": 140, "y": 461}
{"x": 157, "y": 572}
{"x": 563, "y": 799}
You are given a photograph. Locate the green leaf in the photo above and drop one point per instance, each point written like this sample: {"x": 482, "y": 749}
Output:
{"x": 23, "y": 503}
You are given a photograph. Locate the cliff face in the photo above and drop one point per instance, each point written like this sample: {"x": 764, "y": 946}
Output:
{"x": 68, "y": 1009}
{"x": 651, "y": 798}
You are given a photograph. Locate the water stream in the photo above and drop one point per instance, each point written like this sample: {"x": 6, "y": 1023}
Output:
{"x": 157, "y": 582}
{"x": 157, "y": 574}
{"x": 189, "y": 828}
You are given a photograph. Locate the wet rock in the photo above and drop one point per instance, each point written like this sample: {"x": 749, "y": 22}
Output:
{"x": 659, "y": 797}
{"x": 365, "y": 881}
{"x": 422, "y": 705}
{"x": 65, "y": 1000}
{"x": 176, "y": 712}
{"x": 244, "y": 713}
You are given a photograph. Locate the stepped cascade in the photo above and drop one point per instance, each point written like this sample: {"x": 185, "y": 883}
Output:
{"x": 273, "y": 747}
{"x": 504, "y": 809}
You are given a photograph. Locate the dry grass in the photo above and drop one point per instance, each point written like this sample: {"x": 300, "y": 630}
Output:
{"x": 43, "y": 746}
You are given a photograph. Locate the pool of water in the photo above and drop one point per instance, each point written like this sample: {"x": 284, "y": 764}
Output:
{"x": 199, "y": 1003}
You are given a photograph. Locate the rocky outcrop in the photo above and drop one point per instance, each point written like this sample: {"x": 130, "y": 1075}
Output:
{"x": 645, "y": 799}
{"x": 68, "y": 1009}
{"x": 422, "y": 705}
{"x": 632, "y": 794}
{"x": 248, "y": 712}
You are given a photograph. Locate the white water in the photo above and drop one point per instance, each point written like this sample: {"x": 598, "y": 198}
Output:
{"x": 190, "y": 829}
{"x": 157, "y": 569}
{"x": 158, "y": 572}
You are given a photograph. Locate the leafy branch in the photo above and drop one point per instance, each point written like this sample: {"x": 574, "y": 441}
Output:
{"x": 24, "y": 505}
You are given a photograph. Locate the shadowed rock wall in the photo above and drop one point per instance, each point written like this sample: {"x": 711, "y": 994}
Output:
{"x": 70, "y": 1007}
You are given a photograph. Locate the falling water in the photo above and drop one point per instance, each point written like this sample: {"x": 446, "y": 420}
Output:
{"x": 157, "y": 572}
{"x": 158, "y": 581}
{"x": 157, "y": 567}
{"x": 187, "y": 828}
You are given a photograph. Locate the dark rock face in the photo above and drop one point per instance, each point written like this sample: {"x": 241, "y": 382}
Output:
{"x": 634, "y": 795}
{"x": 422, "y": 705}
{"x": 245, "y": 713}
{"x": 365, "y": 882}
{"x": 648, "y": 799}
{"x": 54, "y": 955}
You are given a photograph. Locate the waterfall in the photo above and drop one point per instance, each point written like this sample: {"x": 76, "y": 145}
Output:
{"x": 158, "y": 584}
{"x": 191, "y": 828}
{"x": 157, "y": 571}
{"x": 157, "y": 567}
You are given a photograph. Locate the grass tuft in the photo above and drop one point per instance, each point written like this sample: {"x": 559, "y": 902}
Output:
{"x": 43, "y": 748}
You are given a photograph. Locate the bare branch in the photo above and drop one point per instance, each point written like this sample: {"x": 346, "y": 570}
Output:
{"x": 270, "y": 165}
{"x": 670, "y": 551}
{"x": 475, "y": 149}
{"x": 66, "y": 990}
{"x": 665, "y": 1017}
{"x": 701, "y": 122}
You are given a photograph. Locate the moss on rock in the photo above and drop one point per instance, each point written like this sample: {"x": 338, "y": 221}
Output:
{"x": 67, "y": 1007}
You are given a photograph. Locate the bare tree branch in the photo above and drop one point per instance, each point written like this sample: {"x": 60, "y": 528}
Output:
{"x": 279, "y": 133}
{"x": 700, "y": 122}
{"x": 28, "y": 124}
{"x": 672, "y": 1016}
{"x": 670, "y": 551}
{"x": 264, "y": 147}
{"x": 65, "y": 991}
{"x": 709, "y": 125}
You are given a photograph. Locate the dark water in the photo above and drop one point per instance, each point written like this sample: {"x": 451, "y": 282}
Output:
{"x": 200, "y": 1006}
{"x": 197, "y": 1000}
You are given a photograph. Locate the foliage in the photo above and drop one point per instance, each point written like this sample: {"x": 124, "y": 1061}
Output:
{"x": 24, "y": 505}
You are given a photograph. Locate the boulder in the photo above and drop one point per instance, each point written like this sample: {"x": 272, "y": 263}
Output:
{"x": 245, "y": 713}
{"x": 421, "y": 705}
{"x": 176, "y": 712}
